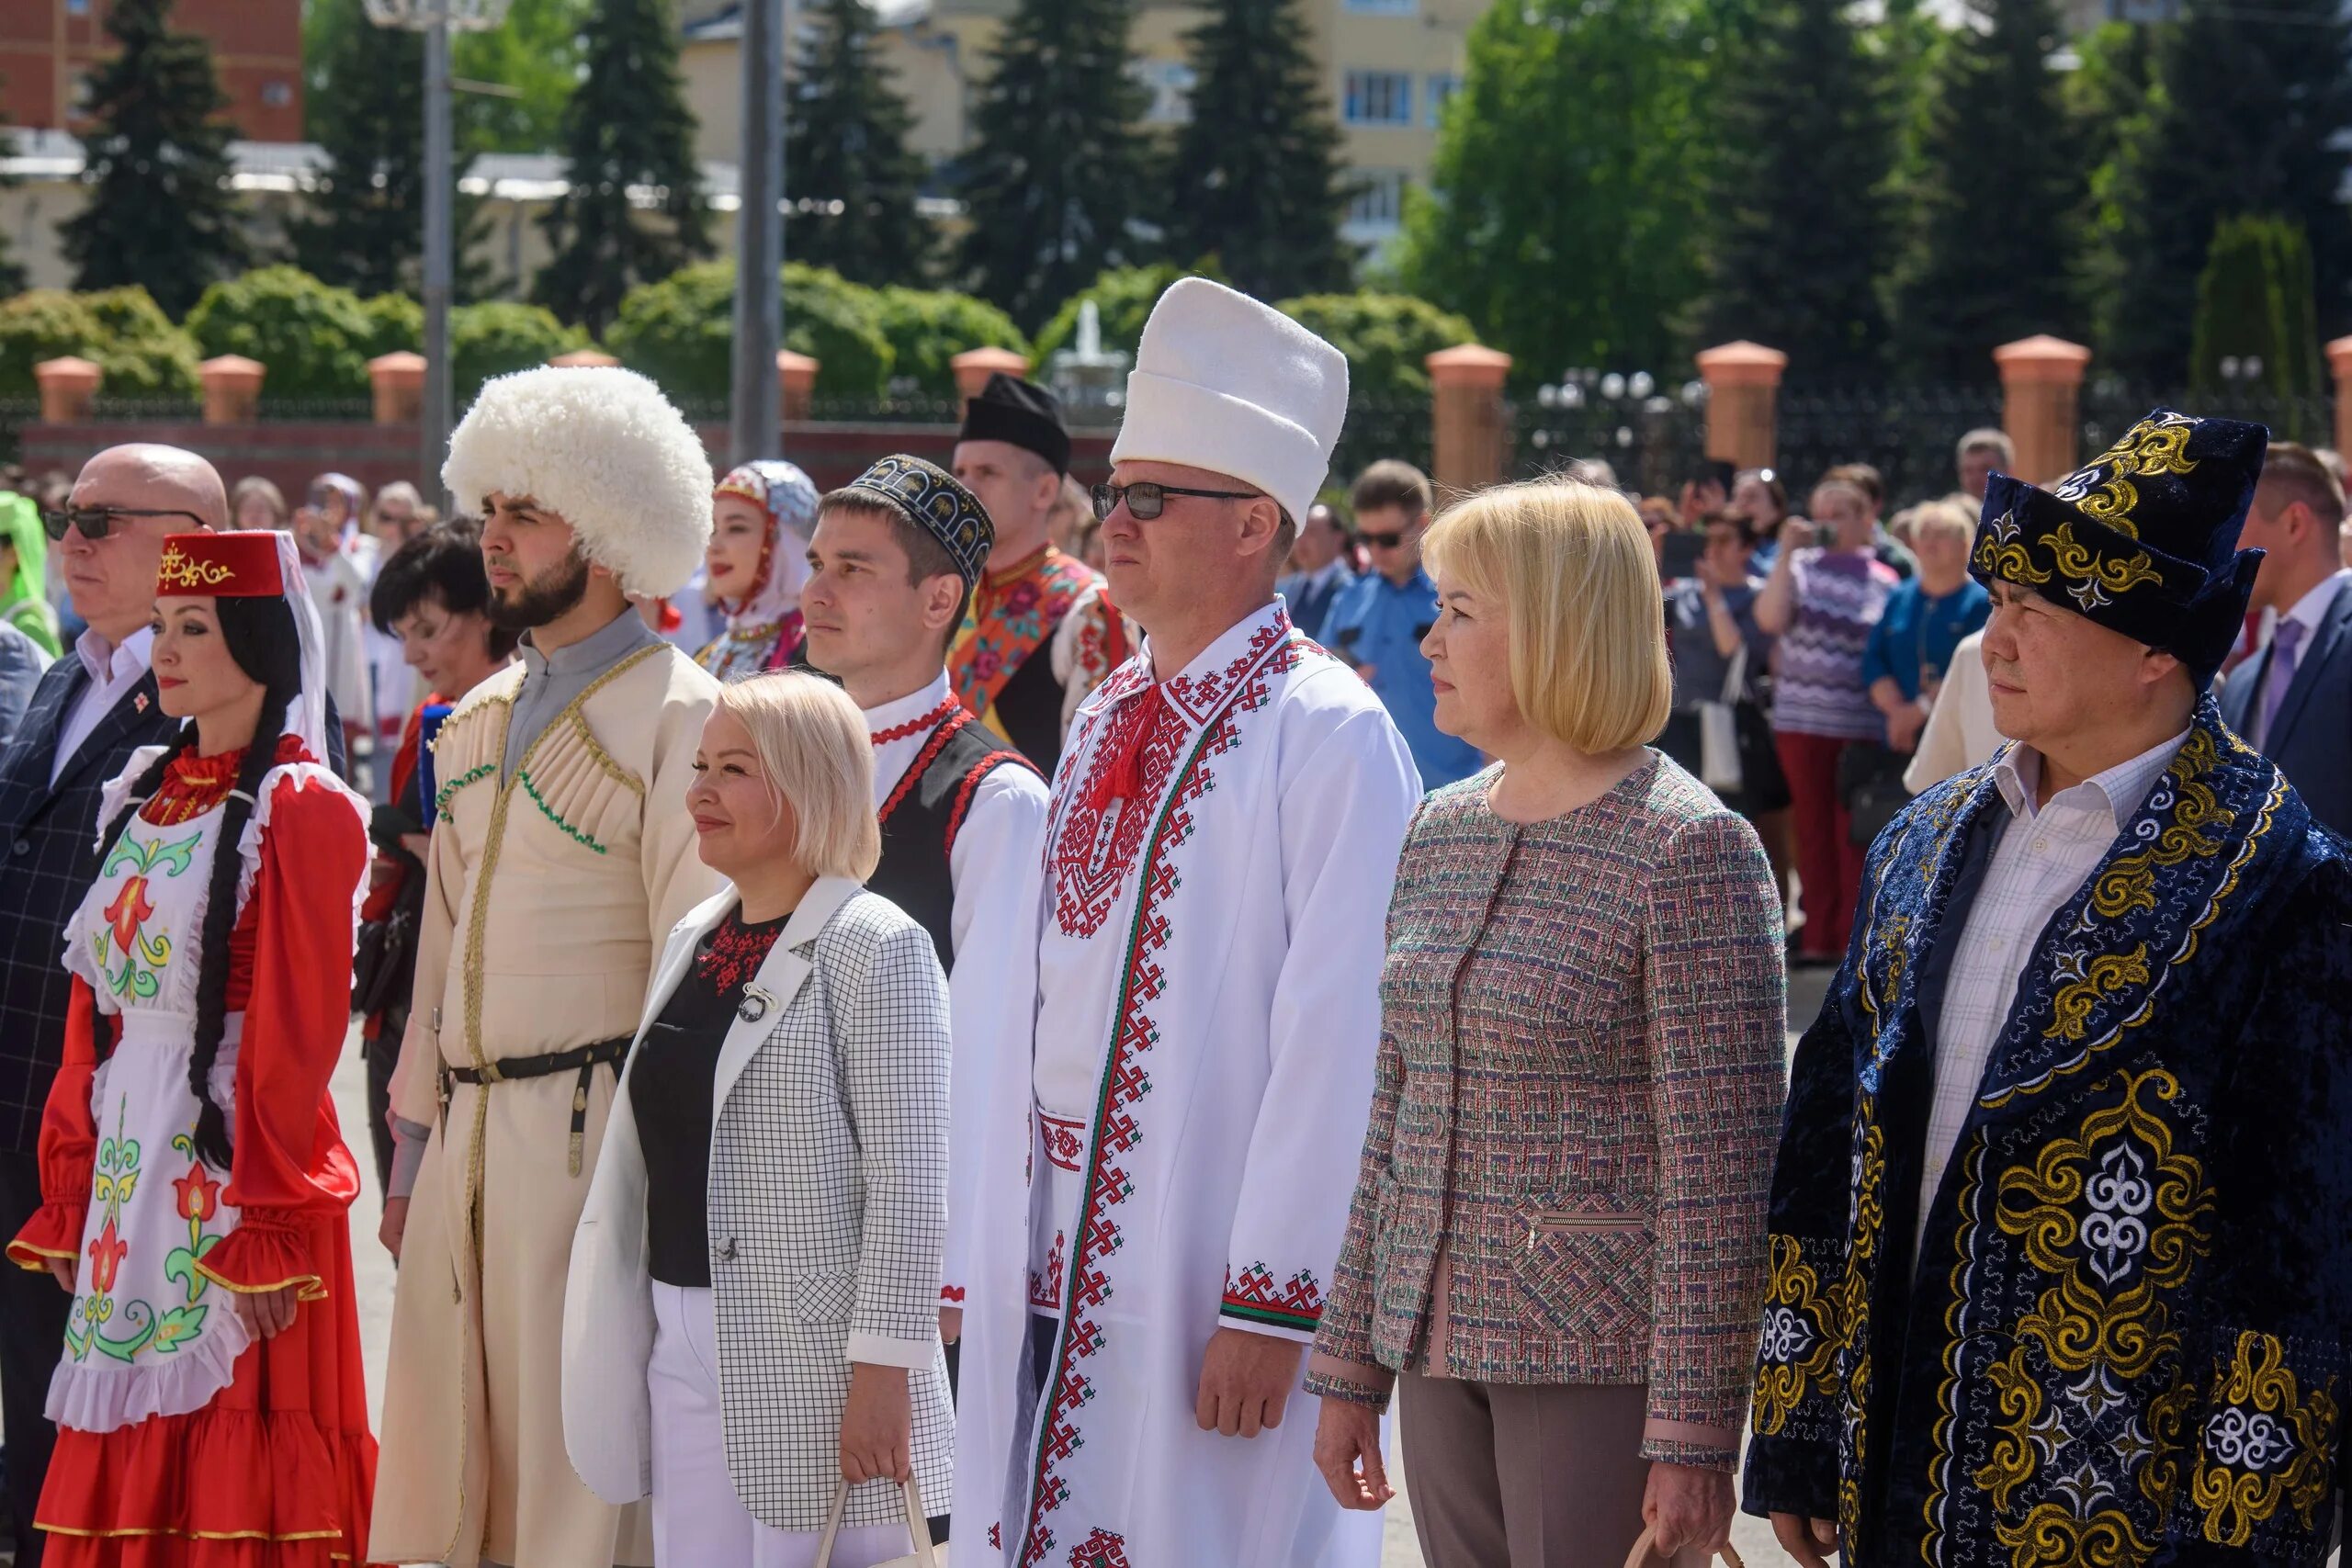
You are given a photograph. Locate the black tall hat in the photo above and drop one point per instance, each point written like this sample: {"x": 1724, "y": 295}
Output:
{"x": 2142, "y": 539}
{"x": 1020, "y": 414}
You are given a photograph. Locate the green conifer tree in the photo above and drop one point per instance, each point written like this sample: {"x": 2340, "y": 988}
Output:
{"x": 850, "y": 181}
{"x": 161, "y": 212}
{"x": 1055, "y": 183}
{"x": 626, "y": 125}
{"x": 1997, "y": 146}
{"x": 1255, "y": 177}
{"x": 1801, "y": 229}
{"x": 2250, "y": 113}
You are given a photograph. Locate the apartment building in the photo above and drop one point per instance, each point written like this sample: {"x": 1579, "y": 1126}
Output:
{"x": 1386, "y": 65}
{"x": 48, "y": 49}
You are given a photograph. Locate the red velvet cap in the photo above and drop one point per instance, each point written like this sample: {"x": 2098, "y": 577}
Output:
{"x": 241, "y": 565}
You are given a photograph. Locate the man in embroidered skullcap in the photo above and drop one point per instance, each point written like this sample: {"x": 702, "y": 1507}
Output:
{"x": 892, "y": 565}
{"x": 562, "y": 853}
{"x": 1167, "y": 1149}
{"x": 2060, "y": 1272}
{"x": 1041, "y": 632}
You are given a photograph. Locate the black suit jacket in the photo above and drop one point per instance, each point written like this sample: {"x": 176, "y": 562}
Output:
{"x": 2310, "y": 739}
{"x": 48, "y": 848}
{"x": 46, "y": 843}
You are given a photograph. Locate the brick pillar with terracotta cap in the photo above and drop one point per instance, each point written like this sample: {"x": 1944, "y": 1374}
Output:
{"x": 974, "y": 366}
{"x": 67, "y": 387}
{"x": 2042, "y": 384}
{"x": 1466, "y": 404}
{"x": 796, "y": 381}
{"x": 231, "y": 386}
{"x": 1742, "y": 402}
{"x": 2339, "y": 359}
{"x": 397, "y": 379}
{"x": 584, "y": 359}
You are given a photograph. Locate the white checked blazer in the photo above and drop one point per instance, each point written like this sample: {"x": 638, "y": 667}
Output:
{"x": 828, "y": 1212}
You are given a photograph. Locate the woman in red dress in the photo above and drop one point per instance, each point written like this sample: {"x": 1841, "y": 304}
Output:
{"x": 208, "y": 1401}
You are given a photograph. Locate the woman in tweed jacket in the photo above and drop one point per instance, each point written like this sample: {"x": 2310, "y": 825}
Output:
{"x": 1557, "y": 1243}
{"x": 751, "y": 1319}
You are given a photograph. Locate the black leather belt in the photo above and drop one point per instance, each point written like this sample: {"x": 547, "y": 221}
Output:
{"x": 584, "y": 1059}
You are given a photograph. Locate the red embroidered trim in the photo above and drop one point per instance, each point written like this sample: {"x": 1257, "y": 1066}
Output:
{"x": 1124, "y": 1083}
{"x": 952, "y": 1293}
{"x": 980, "y": 770}
{"x": 734, "y": 952}
{"x": 1101, "y": 1549}
{"x": 955, "y": 721}
{"x": 1252, "y": 1296}
{"x": 192, "y": 785}
{"x": 947, "y": 708}
{"x": 1065, "y": 1140}
{"x": 1045, "y": 1292}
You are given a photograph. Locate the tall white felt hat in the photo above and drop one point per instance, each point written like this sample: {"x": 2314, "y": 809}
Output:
{"x": 602, "y": 448}
{"x": 1224, "y": 383}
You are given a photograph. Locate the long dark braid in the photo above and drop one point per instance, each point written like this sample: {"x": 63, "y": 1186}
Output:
{"x": 219, "y": 920}
{"x": 259, "y": 634}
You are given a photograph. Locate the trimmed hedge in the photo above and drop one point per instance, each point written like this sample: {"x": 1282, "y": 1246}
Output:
{"x": 315, "y": 339}
{"x": 928, "y": 328}
{"x": 1123, "y": 296}
{"x": 498, "y": 336}
{"x": 122, "y": 331}
{"x": 680, "y": 331}
{"x": 1386, "y": 338}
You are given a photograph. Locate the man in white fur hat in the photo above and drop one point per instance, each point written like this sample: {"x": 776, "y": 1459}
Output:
{"x": 562, "y": 855}
{"x": 1164, "y": 1175}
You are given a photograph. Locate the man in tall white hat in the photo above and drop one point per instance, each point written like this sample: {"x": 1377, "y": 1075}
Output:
{"x": 562, "y": 854}
{"x": 1164, "y": 1175}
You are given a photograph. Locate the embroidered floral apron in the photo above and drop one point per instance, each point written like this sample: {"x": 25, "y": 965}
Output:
{"x": 148, "y": 1334}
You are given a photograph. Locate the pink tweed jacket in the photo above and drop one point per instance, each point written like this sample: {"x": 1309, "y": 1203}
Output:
{"x": 1581, "y": 1075}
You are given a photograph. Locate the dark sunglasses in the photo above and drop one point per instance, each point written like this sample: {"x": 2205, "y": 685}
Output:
{"x": 1148, "y": 500}
{"x": 97, "y": 521}
{"x": 1382, "y": 541}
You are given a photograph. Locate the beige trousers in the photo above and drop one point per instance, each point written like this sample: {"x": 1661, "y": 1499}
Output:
{"x": 1504, "y": 1475}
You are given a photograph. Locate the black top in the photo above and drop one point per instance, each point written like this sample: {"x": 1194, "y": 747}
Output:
{"x": 920, "y": 819}
{"x": 1030, "y": 709}
{"x": 671, "y": 1090}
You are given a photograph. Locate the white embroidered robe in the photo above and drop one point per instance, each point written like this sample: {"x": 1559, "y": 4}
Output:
{"x": 1227, "y": 1077}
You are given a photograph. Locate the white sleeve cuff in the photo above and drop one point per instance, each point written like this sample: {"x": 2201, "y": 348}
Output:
{"x": 880, "y": 1350}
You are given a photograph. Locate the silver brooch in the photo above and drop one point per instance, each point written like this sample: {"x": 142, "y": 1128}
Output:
{"x": 754, "y": 1006}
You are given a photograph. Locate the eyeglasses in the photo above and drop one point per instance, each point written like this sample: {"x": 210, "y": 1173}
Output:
{"x": 97, "y": 521}
{"x": 1148, "y": 500}
{"x": 1382, "y": 541}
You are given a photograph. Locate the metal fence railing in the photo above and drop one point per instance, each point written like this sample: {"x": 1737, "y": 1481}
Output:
{"x": 2109, "y": 405}
{"x": 1907, "y": 433}
{"x": 1653, "y": 444}
{"x": 1378, "y": 428}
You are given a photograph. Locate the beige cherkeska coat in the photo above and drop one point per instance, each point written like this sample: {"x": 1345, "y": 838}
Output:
{"x": 552, "y": 892}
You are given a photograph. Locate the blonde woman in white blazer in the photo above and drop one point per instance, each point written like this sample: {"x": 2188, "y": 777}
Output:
{"x": 752, "y": 1314}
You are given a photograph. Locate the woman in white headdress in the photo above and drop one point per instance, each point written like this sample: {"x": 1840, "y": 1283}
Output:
{"x": 209, "y": 1403}
{"x": 761, "y": 515}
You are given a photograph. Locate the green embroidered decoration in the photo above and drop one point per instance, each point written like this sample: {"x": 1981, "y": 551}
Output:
{"x": 441, "y": 797}
{"x": 549, "y": 811}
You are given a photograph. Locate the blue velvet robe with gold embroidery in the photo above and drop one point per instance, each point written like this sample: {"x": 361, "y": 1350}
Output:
{"x": 2123, "y": 1339}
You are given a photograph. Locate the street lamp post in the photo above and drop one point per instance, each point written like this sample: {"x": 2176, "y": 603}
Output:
{"x": 756, "y": 411}
{"x": 436, "y": 19}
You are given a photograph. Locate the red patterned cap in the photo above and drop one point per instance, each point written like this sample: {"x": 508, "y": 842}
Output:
{"x": 241, "y": 565}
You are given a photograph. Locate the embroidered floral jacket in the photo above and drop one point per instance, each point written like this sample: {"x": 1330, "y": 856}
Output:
{"x": 2123, "y": 1340}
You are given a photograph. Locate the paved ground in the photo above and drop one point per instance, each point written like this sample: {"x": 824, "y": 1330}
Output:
{"x": 374, "y": 1283}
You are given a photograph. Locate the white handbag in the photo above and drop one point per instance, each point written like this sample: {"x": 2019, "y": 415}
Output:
{"x": 1719, "y": 767}
{"x": 924, "y": 1555}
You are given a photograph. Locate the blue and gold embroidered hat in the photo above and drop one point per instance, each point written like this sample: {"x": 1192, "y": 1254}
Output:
{"x": 2142, "y": 539}
{"x": 937, "y": 503}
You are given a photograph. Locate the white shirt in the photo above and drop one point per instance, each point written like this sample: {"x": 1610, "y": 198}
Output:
{"x": 113, "y": 671}
{"x": 999, "y": 840}
{"x": 2042, "y": 857}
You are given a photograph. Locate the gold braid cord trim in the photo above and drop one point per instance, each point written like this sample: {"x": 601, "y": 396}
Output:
{"x": 2102, "y": 488}
{"x": 602, "y": 758}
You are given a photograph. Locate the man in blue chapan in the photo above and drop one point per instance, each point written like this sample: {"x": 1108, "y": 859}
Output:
{"x": 2061, "y": 1271}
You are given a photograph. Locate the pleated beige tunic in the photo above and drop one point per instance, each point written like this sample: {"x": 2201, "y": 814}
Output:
{"x": 552, "y": 887}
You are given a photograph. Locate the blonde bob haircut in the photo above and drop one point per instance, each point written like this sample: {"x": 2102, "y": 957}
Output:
{"x": 1574, "y": 571}
{"x": 813, "y": 745}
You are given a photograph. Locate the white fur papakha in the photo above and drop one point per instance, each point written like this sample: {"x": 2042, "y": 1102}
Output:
{"x": 603, "y": 449}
